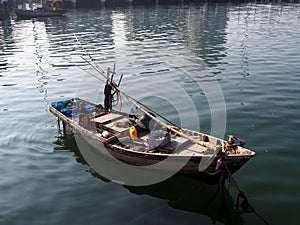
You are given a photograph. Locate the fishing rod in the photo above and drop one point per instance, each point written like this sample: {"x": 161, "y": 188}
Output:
{"x": 97, "y": 77}
{"x": 98, "y": 68}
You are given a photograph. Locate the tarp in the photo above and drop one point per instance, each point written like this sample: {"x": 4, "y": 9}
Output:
{"x": 73, "y": 107}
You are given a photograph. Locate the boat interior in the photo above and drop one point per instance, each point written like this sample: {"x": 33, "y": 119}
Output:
{"x": 141, "y": 133}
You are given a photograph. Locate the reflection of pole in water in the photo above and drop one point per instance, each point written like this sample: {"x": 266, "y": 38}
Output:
{"x": 5, "y": 36}
{"x": 40, "y": 73}
{"x": 4, "y": 11}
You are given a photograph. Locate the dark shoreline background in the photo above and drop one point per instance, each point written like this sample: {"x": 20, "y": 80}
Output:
{"x": 103, "y": 3}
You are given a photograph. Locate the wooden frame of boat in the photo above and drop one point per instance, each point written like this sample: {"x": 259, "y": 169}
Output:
{"x": 109, "y": 129}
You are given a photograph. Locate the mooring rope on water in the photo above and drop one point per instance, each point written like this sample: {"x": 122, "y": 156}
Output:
{"x": 245, "y": 205}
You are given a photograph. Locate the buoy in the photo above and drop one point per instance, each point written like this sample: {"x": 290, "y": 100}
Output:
{"x": 219, "y": 162}
{"x": 133, "y": 133}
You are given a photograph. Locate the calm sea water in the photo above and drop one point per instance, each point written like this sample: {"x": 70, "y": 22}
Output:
{"x": 221, "y": 68}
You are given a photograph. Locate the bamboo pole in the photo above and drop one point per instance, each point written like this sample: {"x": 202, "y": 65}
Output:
{"x": 98, "y": 68}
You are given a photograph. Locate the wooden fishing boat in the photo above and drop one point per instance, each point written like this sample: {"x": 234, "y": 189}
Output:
{"x": 39, "y": 12}
{"x": 49, "y": 9}
{"x": 150, "y": 140}
{"x": 144, "y": 141}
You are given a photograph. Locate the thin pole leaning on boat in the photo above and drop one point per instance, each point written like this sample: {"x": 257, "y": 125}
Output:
{"x": 98, "y": 68}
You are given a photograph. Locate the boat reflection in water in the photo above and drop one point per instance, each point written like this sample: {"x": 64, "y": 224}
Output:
{"x": 181, "y": 192}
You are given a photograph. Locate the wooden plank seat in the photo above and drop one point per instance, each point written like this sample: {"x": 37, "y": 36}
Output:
{"x": 107, "y": 118}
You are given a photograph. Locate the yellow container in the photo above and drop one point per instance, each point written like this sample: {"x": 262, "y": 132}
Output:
{"x": 133, "y": 133}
